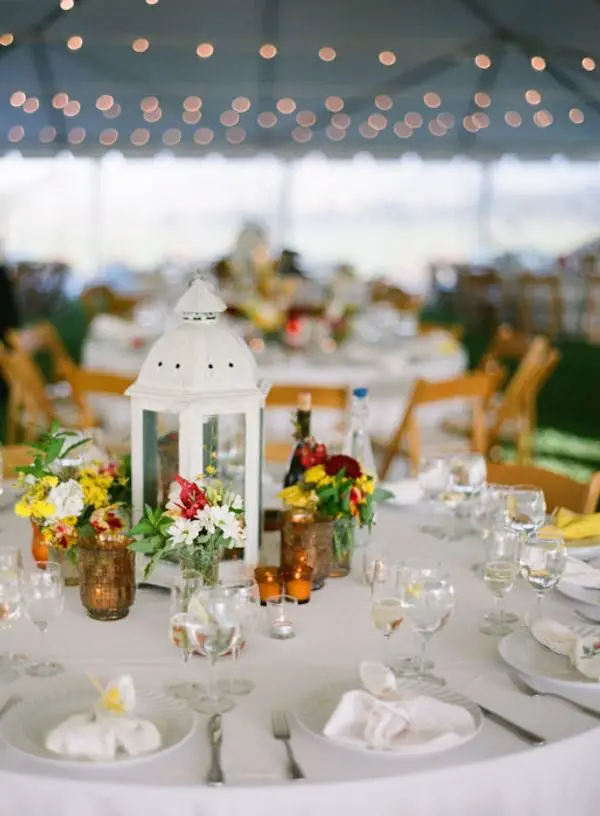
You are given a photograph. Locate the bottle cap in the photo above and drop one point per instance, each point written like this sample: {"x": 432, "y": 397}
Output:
{"x": 304, "y": 401}
{"x": 361, "y": 393}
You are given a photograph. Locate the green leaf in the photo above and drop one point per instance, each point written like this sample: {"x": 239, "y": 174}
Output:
{"x": 380, "y": 494}
{"x": 142, "y": 545}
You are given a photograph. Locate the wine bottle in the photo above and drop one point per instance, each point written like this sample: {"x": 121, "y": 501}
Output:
{"x": 302, "y": 437}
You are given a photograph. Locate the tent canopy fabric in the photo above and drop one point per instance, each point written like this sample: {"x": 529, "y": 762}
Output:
{"x": 432, "y": 77}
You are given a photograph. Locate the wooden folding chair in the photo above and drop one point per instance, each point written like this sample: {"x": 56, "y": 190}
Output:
{"x": 475, "y": 388}
{"x": 334, "y": 398}
{"x": 14, "y": 456}
{"x": 591, "y": 302}
{"x": 559, "y": 490}
{"x": 518, "y": 405}
{"x": 455, "y": 330}
{"x": 484, "y": 297}
{"x": 506, "y": 344}
{"x": 104, "y": 300}
{"x": 551, "y": 285}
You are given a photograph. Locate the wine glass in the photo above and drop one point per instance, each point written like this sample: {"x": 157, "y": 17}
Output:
{"x": 468, "y": 473}
{"x": 43, "y": 592}
{"x": 212, "y": 622}
{"x": 247, "y": 597}
{"x": 376, "y": 567}
{"x": 182, "y": 591}
{"x": 499, "y": 573}
{"x": 386, "y": 611}
{"x": 543, "y": 561}
{"x": 11, "y": 559}
{"x": 435, "y": 482}
{"x": 525, "y": 508}
{"x": 487, "y": 510}
{"x": 10, "y": 611}
{"x": 427, "y": 596}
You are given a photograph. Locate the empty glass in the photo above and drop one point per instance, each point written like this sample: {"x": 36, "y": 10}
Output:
{"x": 499, "y": 573}
{"x": 43, "y": 594}
{"x": 427, "y": 596}
{"x": 212, "y": 622}
{"x": 468, "y": 473}
{"x": 10, "y": 610}
{"x": 525, "y": 508}
{"x": 435, "y": 482}
{"x": 182, "y": 592}
{"x": 543, "y": 561}
{"x": 487, "y": 510}
{"x": 247, "y": 596}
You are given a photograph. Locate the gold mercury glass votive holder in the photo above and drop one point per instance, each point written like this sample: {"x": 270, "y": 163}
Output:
{"x": 107, "y": 572}
{"x": 306, "y": 540}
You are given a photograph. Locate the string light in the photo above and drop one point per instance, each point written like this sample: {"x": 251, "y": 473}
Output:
{"x": 484, "y": 62}
{"x": 229, "y": 118}
{"x": 108, "y": 136}
{"x": 205, "y": 50}
{"x": 480, "y": 120}
{"x": 171, "y": 137}
{"x": 17, "y": 99}
{"x": 192, "y": 103}
{"x": 148, "y": 104}
{"x": 327, "y": 54}
{"x": 72, "y": 108}
{"x": 60, "y": 100}
{"x": 533, "y": 97}
{"x": 513, "y": 119}
{"x": 266, "y": 119}
{"x": 67, "y": 5}
{"x": 334, "y": 103}
{"x": 413, "y": 120}
{"x": 153, "y": 115}
{"x": 152, "y": 2}
{"x": 386, "y": 58}
{"x": 538, "y": 63}
{"x": 241, "y": 104}
{"x": 140, "y": 45}
{"x": 191, "y": 117}
{"x": 47, "y": 134}
{"x": 105, "y": 102}
{"x": 543, "y": 118}
{"x": 436, "y": 128}
{"x": 383, "y": 102}
{"x": 335, "y": 134}
{"x": 140, "y": 137}
{"x": 341, "y": 121}
{"x": 76, "y": 135}
{"x": 31, "y": 105}
{"x": 588, "y": 64}
{"x": 286, "y": 106}
{"x": 446, "y": 120}
{"x": 7, "y": 39}
{"x": 432, "y": 100}
{"x": 483, "y": 100}
{"x": 236, "y": 135}
{"x": 74, "y": 43}
{"x": 402, "y": 130}
{"x": 16, "y": 133}
{"x": 268, "y": 51}
{"x": 302, "y": 134}
{"x": 366, "y": 131}
{"x": 203, "y": 136}
{"x": 113, "y": 112}
{"x": 576, "y": 116}
{"x": 377, "y": 121}
{"x": 306, "y": 119}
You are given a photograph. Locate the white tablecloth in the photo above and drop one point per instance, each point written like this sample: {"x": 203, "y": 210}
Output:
{"x": 494, "y": 775}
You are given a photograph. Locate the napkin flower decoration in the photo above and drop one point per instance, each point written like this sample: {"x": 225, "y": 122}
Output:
{"x": 582, "y": 651}
{"x": 118, "y": 697}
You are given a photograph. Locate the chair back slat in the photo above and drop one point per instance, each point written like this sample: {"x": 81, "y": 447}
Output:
{"x": 559, "y": 490}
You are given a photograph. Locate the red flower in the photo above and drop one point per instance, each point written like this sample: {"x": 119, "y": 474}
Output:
{"x": 350, "y": 466}
{"x": 355, "y": 496}
{"x": 192, "y": 498}
{"x": 311, "y": 455}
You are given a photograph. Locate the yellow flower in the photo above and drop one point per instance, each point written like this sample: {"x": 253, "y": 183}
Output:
{"x": 42, "y": 509}
{"x": 211, "y": 470}
{"x": 112, "y": 701}
{"x": 366, "y": 484}
{"x": 315, "y": 475}
{"x": 22, "y": 509}
{"x": 294, "y": 496}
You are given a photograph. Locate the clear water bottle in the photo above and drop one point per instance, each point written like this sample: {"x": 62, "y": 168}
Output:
{"x": 358, "y": 443}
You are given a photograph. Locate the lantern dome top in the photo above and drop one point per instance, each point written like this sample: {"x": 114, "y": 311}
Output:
{"x": 198, "y": 357}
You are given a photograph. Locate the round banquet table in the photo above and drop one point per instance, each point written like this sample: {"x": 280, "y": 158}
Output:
{"x": 494, "y": 774}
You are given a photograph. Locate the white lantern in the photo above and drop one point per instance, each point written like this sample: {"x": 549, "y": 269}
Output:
{"x": 197, "y": 389}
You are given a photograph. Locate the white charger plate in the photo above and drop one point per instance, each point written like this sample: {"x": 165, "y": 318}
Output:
{"x": 315, "y": 709}
{"x": 522, "y": 652}
{"x": 579, "y": 593}
{"x": 591, "y": 549}
{"x": 26, "y": 725}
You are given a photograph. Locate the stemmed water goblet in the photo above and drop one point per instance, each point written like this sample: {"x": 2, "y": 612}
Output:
{"x": 427, "y": 597}
{"x": 10, "y": 610}
{"x": 213, "y": 623}
{"x": 525, "y": 509}
{"x": 435, "y": 480}
{"x": 183, "y": 590}
{"x": 487, "y": 510}
{"x": 43, "y": 594}
{"x": 386, "y": 610}
{"x": 247, "y": 598}
{"x": 500, "y": 570}
{"x": 543, "y": 562}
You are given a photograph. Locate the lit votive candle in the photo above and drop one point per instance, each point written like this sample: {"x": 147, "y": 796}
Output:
{"x": 269, "y": 582}
{"x": 298, "y": 583}
{"x": 280, "y": 610}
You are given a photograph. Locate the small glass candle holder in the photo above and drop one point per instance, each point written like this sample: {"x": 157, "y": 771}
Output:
{"x": 269, "y": 582}
{"x": 298, "y": 582}
{"x": 280, "y": 610}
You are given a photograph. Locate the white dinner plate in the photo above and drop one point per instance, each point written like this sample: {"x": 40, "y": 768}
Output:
{"x": 587, "y": 549}
{"x": 524, "y": 654}
{"x": 579, "y": 593}
{"x": 26, "y": 725}
{"x": 315, "y": 709}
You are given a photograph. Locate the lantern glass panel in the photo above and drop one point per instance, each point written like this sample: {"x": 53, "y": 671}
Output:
{"x": 160, "y": 456}
{"x": 229, "y": 449}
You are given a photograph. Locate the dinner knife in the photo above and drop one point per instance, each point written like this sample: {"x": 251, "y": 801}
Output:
{"x": 215, "y": 776}
{"x": 12, "y": 701}
{"x": 518, "y": 730}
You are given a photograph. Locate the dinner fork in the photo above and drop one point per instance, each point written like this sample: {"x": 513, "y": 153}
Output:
{"x": 281, "y": 731}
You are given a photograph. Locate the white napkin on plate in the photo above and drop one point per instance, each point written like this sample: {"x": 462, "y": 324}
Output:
{"x": 107, "y": 730}
{"x": 582, "y": 651}
{"x": 582, "y": 574}
{"x": 413, "y": 725}
{"x": 406, "y": 492}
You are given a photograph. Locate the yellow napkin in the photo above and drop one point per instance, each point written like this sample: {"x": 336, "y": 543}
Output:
{"x": 575, "y": 528}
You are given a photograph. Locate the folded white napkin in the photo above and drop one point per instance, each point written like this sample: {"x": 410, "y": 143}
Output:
{"x": 107, "y": 730}
{"x": 414, "y": 725}
{"x": 582, "y": 574}
{"x": 583, "y": 652}
{"x": 406, "y": 492}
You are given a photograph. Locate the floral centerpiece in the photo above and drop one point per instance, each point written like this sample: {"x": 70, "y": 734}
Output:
{"x": 200, "y": 520}
{"x": 334, "y": 487}
{"x": 66, "y": 499}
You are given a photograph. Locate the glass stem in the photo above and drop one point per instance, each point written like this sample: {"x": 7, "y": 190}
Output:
{"x": 499, "y": 605}
{"x": 42, "y": 659}
{"x": 539, "y": 605}
{"x": 212, "y": 679}
{"x": 386, "y": 648}
{"x": 423, "y": 641}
